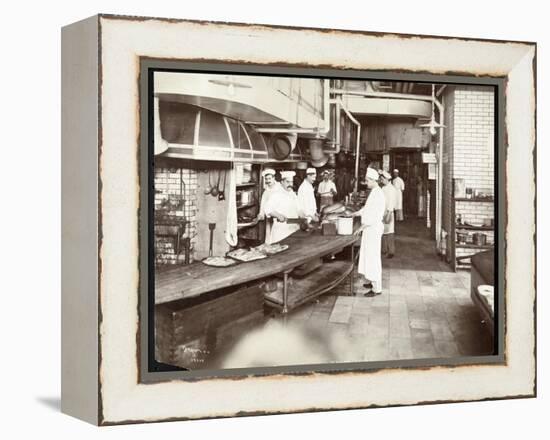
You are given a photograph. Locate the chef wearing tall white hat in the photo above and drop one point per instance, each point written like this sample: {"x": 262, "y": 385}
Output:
{"x": 370, "y": 262}
{"x": 270, "y": 187}
{"x": 399, "y": 185}
{"x": 390, "y": 195}
{"x": 283, "y": 205}
{"x": 306, "y": 196}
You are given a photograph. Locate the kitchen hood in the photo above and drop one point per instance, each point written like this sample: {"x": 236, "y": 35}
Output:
{"x": 191, "y": 132}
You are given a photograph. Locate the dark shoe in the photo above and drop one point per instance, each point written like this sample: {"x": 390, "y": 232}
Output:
{"x": 372, "y": 293}
{"x": 367, "y": 285}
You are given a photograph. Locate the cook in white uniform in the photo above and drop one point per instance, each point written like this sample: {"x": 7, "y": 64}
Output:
{"x": 270, "y": 187}
{"x": 280, "y": 206}
{"x": 306, "y": 196}
{"x": 390, "y": 195}
{"x": 399, "y": 185}
{"x": 326, "y": 190}
{"x": 370, "y": 260}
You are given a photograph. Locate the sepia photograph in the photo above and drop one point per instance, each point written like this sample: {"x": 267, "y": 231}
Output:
{"x": 322, "y": 221}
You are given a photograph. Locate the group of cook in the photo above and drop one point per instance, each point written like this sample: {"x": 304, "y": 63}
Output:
{"x": 382, "y": 207}
{"x": 281, "y": 203}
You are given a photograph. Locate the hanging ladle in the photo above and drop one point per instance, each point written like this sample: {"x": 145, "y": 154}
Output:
{"x": 221, "y": 195}
{"x": 216, "y": 190}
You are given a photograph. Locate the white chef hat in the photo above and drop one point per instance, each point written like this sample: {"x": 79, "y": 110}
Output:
{"x": 311, "y": 171}
{"x": 396, "y": 170}
{"x": 288, "y": 174}
{"x": 386, "y": 174}
{"x": 268, "y": 171}
{"x": 372, "y": 174}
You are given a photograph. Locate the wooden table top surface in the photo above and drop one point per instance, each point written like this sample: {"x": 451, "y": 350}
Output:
{"x": 192, "y": 280}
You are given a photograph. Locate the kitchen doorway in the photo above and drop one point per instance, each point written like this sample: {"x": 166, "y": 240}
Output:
{"x": 414, "y": 174}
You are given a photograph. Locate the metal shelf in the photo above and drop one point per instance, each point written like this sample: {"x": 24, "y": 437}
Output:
{"x": 474, "y": 246}
{"x": 246, "y": 185}
{"x": 464, "y": 199}
{"x": 248, "y": 205}
{"x": 475, "y": 228}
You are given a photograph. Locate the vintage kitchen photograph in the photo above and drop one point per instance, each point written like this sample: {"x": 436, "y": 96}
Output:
{"x": 303, "y": 221}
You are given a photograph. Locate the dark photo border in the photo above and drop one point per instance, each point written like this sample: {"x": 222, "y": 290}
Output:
{"x": 152, "y": 371}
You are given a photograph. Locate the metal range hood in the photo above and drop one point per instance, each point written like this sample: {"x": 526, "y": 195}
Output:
{"x": 188, "y": 132}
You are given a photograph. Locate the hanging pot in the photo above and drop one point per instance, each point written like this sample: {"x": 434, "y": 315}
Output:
{"x": 221, "y": 195}
{"x": 208, "y": 188}
{"x": 216, "y": 190}
{"x": 317, "y": 155}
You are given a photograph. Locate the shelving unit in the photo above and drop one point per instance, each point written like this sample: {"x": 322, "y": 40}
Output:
{"x": 458, "y": 259}
{"x": 247, "y": 185}
{"x": 474, "y": 246}
{"x": 477, "y": 199}
{"x": 250, "y": 233}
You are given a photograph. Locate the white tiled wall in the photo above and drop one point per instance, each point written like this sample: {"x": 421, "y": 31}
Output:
{"x": 473, "y": 151}
{"x": 167, "y": 182}
{"x": 468, "y": 154}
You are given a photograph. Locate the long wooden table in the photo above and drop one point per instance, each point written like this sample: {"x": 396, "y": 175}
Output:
{"x": 196, "y": 279}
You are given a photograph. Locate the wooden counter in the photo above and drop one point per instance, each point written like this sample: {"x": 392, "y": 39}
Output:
{"x": 190, "y": 281}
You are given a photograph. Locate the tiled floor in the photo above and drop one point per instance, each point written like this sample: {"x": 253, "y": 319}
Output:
{"x": 425, "y": 311}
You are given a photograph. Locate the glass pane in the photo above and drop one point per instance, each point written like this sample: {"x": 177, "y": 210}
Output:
{"x": 213, "y": 131}
{"x": 177, "y": 122}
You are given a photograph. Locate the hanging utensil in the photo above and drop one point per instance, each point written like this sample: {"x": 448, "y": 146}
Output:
{"x": 181, "y": 204}
{"x": 208, "y": 189}
{"x": 221, "y": 195}
{"x": 216, "y": 190}
{"x": 211, "y": 226}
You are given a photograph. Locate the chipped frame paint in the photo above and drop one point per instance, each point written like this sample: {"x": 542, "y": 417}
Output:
{"x": 114, "y": 404}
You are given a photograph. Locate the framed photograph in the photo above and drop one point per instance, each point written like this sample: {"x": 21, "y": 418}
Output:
{"x": 262, "y": 220}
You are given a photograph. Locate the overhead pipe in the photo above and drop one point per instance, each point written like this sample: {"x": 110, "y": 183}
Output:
{"x": 389, "y": 95}
{"x": 439, "y": 188}
{"x": 441, "y": 90}
{"x": 357, "y": 145}
{"x": 382, "y": 94}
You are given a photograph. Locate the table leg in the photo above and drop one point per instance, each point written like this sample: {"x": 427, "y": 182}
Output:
{"x": 352, "y": 270}
{"x": 285, "y": 293}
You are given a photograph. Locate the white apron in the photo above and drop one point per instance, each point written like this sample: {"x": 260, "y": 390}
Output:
{"x": 306, "y": 199}
{"x": 326, "y": 197}
{"x": 268, "y": 192}
{"x": 399, "y": 185}
{"x": 370, "y": 261}
{"x": 390, "y": 197}
{"x": 285, "y": 203}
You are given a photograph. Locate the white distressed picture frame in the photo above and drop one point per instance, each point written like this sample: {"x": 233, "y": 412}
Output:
{"x": 101, "y": 193}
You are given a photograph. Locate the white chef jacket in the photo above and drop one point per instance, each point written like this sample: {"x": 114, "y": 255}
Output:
{"x": 325, "y": 187}
{"x": 306, "y": 199}
{"x": 399, "y": 185}
{"x": 268, "y": 192}
{"x": 327, "y": 198}
{"x": 370, "y": 261}
{"x": 390, "y": 196}
{"x": 286, "y": 203}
